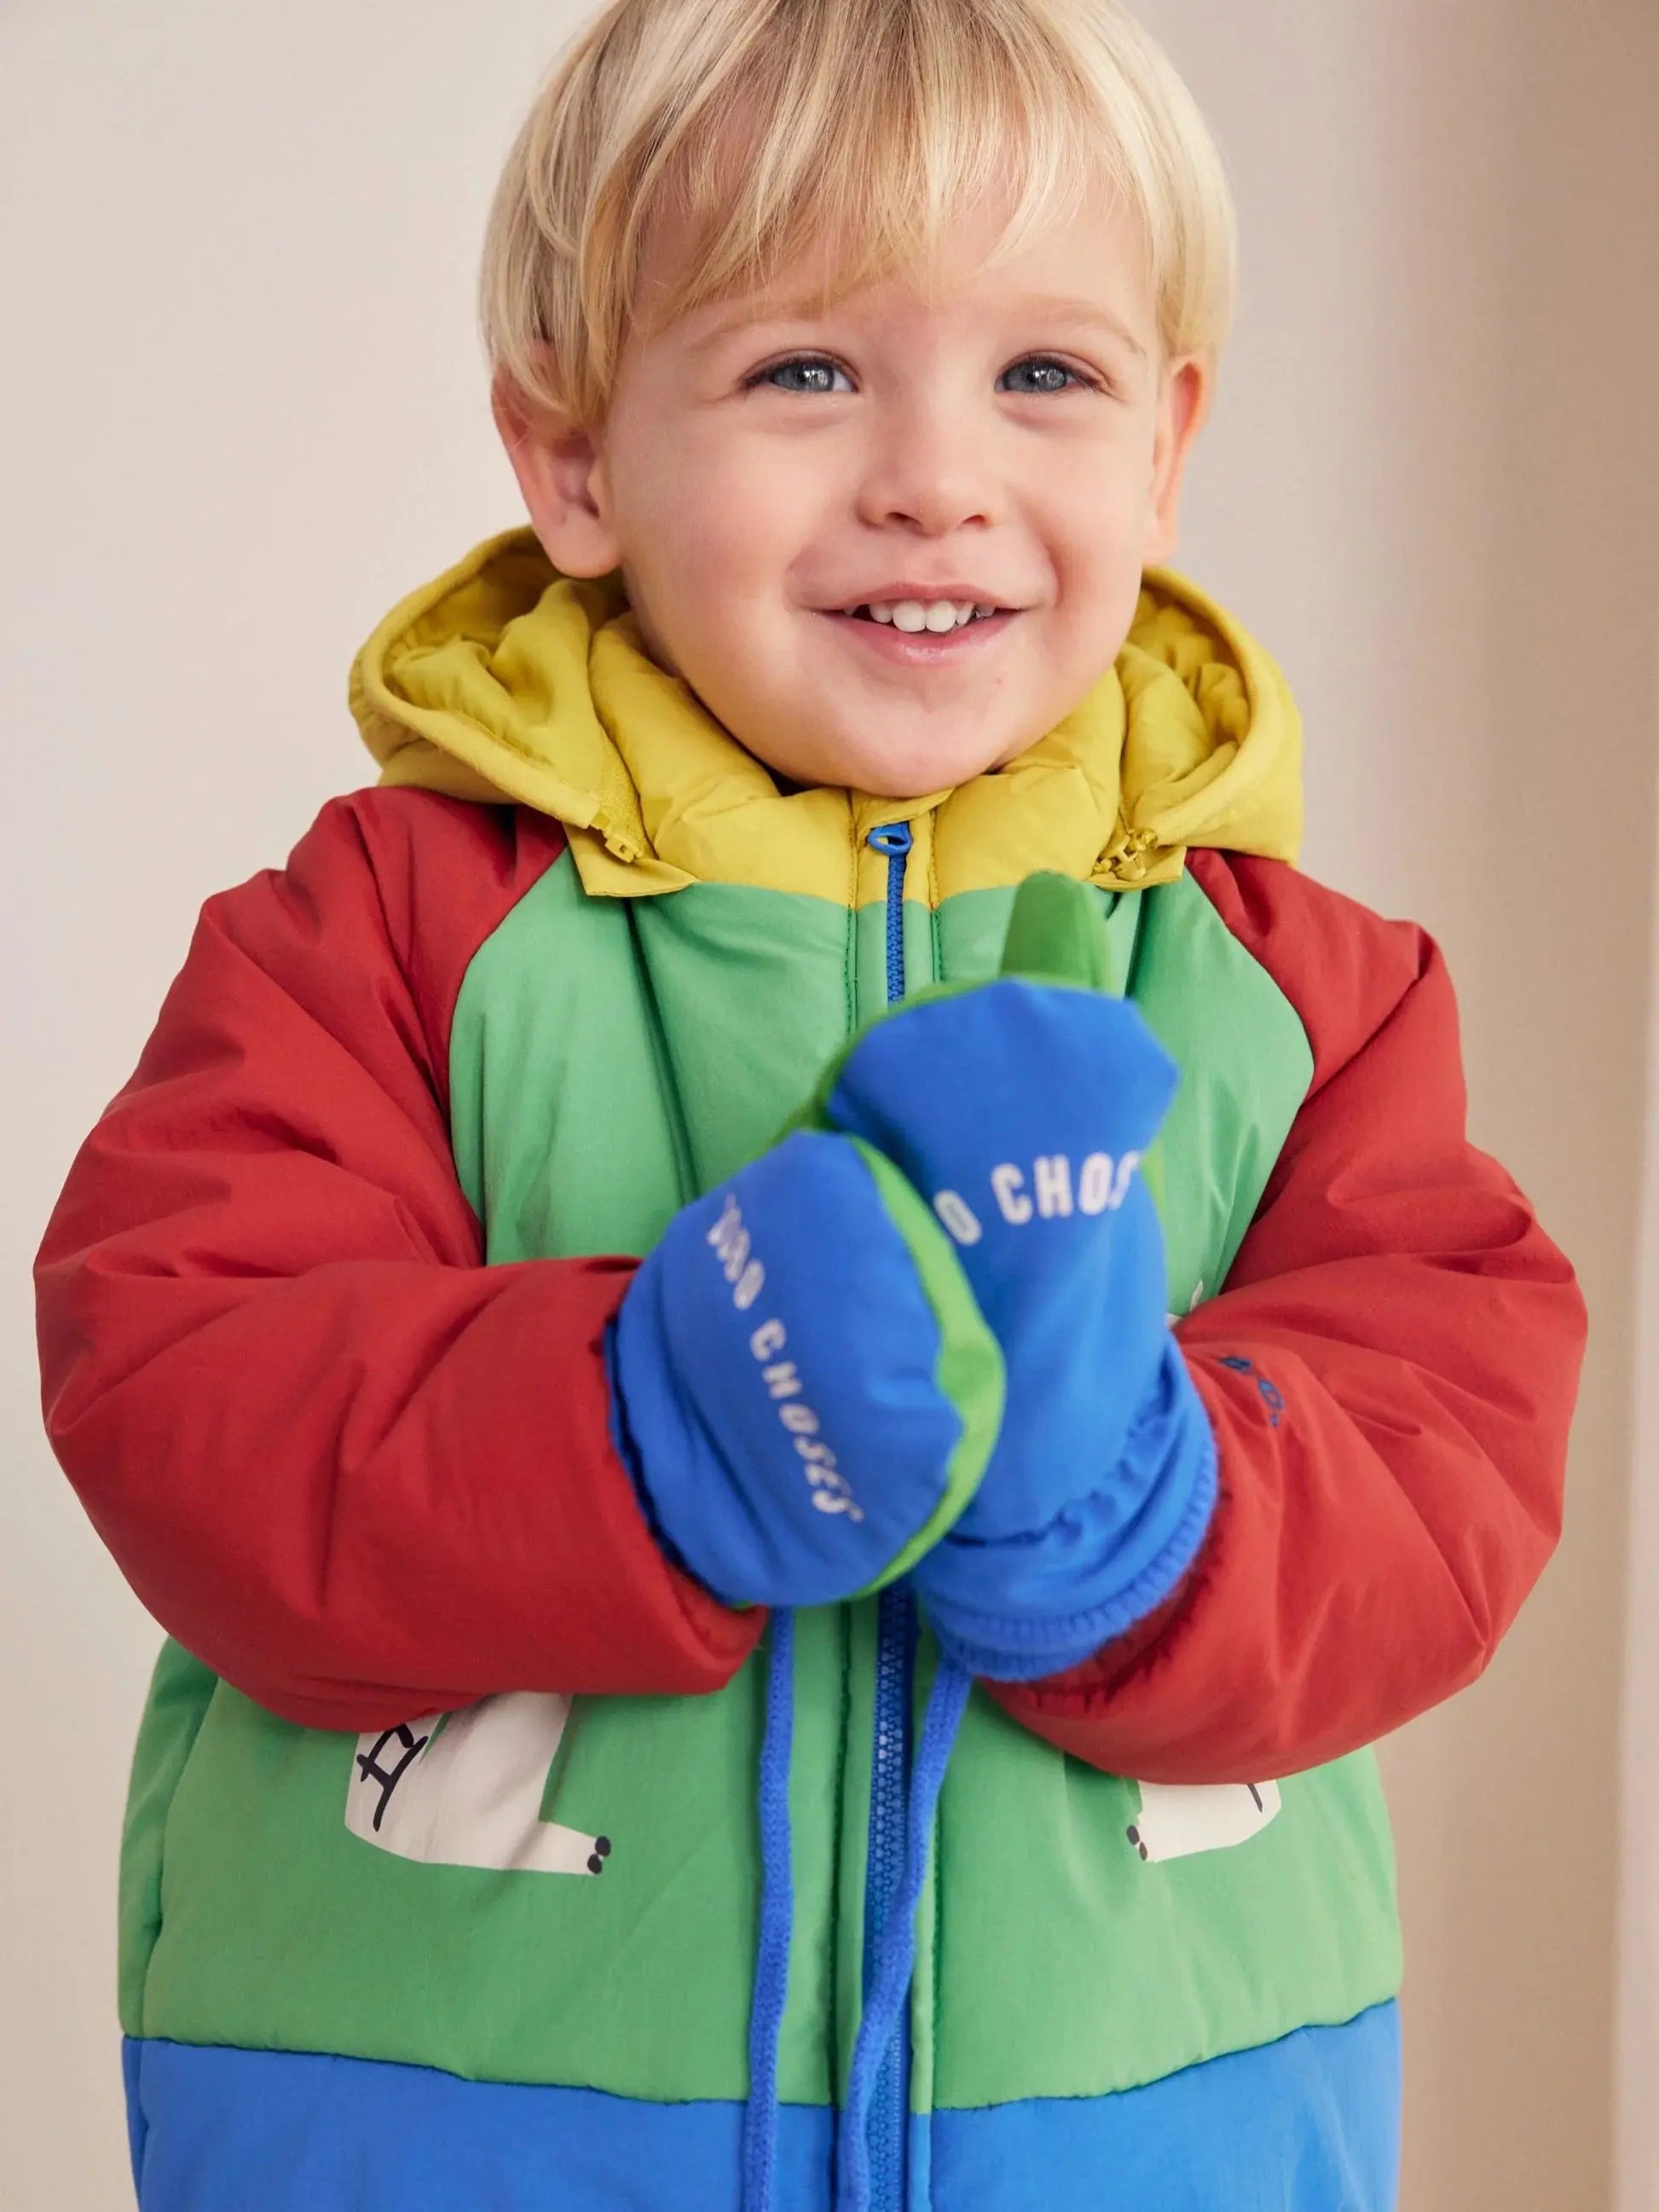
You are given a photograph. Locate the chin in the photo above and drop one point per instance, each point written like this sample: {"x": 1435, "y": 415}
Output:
{"x": 903, "y": 772}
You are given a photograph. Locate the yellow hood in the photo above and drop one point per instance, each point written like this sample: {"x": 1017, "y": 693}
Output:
{"x": 503, "y": 680}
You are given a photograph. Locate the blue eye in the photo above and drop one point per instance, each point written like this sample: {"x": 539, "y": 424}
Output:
{"x": 1047, "y": 375}
{"x": 807, "y": 373}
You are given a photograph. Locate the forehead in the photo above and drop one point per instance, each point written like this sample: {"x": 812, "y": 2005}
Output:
{"x": 1084, "y": 264}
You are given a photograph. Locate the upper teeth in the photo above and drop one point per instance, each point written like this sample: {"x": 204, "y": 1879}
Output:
{"x": 928, "y": 614}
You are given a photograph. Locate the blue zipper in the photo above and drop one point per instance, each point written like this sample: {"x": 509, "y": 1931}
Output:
{"x": 894, "y": 839}
{"x": 889, "y": 1758}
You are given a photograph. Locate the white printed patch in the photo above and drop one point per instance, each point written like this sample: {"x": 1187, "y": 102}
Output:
{"x": 1174, "y": 1822}
{"x": 465, "y": 1788}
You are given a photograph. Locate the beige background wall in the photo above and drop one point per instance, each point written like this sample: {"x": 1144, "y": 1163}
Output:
{"x": 240, "y": 411}
{"x": 1435, "y": 485}
{"x": 1637, "y": 2142}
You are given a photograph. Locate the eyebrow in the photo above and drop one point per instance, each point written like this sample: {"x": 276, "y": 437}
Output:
{"x": 750, "y": 317}
{"x": 1083, "y": 311}
{"x": 1062, "y": 307}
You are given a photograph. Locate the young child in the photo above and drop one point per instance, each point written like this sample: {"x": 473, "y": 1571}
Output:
{"x": 851, "y": 1706}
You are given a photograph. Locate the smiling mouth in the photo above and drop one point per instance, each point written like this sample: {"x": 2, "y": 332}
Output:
{"x": 980, "y": 619}
{"x": 945, "y": 642}
{"x": 864, "y": 613}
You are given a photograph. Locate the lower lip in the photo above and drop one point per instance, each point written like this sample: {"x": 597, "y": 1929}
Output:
{"x": 923, "y": 649}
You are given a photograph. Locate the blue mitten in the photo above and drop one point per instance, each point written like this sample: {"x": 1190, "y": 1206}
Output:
{"x": 803, "y": 1385}
{"x": 1022, "y": 1111}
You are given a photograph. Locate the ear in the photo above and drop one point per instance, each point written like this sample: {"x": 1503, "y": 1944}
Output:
{"x": 560, "y": 472}
{"x": 1183, "y": 405}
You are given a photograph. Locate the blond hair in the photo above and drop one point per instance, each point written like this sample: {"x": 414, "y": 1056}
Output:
{"x": 775, "y": 125}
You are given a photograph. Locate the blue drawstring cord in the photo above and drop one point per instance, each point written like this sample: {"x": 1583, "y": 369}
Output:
{"x": 777, "y": 1914}
{"x": 894, "y": 1962}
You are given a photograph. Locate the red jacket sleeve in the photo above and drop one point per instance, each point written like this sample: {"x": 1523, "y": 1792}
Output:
{"x": 358, "y": 1472}
{"x": 1390, "y": 1371}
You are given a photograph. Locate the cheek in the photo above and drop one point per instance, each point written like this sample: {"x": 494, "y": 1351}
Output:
{"x": 1099, "y": 524}
{"x": 1099, "y": 569}
{"x": 717, "y": 532}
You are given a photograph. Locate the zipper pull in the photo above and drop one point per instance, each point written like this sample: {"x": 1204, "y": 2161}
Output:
{"x": 892, "y": 838}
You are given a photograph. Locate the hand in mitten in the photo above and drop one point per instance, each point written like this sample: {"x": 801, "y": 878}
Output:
{"x": 1022, "y": 1110}
{"x": 803, "y": 1387}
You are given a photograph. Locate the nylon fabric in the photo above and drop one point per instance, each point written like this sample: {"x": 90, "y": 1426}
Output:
{"x": 283, "y": 1929}
{"x": 1305, "y": 2124}
{"x": 1309, "y": 2123}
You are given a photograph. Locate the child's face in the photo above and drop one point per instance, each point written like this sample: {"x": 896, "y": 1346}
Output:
{"x": 1008, "y": 436}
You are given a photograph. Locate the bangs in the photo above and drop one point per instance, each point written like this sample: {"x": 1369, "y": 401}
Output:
{"x": 861, "y": 139}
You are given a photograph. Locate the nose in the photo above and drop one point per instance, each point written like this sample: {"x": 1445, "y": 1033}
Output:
{"x": 928, "y": 470}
